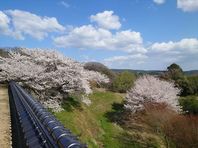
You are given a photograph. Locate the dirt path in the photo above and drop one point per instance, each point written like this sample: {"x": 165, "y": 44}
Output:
{"x": 4, "y": 118}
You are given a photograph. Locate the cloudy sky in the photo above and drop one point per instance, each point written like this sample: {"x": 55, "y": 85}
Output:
{"x": 132, "y": 34}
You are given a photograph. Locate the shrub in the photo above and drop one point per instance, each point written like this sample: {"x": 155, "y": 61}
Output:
{"x": 193, "y": 85}
{"x": 156, "y": 115}
{"x": 151, "y": 120}
{"x": 123, "y": 82}
{"x": 183, "y": 131}
{"x": 188, "y": 84}
{"x": 178, "y": 130}
{"x": 189, "y": 104}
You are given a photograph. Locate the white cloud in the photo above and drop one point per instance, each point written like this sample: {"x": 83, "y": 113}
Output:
{"x": 17, "y": 24}
{"x": 65, "y": 4}
{"x": 4, "y": 24}
{"x": 106, "y": 20}
{"x": 187, "y": 5}
{"x": 182, "y": 52}
{"x": 126, "y": 58}
{"x": 90, "y": 37}
{"x": 189, "y": 45}
{"x": 101, "y": 37}
{"x": 159, "y": 56}
{"x": 159, "y": 1}
{"x": 125, "y": 61}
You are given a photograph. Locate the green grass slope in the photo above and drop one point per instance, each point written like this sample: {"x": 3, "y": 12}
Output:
{"x": 92, "y": 125}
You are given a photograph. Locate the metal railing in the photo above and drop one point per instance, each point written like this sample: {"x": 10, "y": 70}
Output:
{"x": 33, "y": 126}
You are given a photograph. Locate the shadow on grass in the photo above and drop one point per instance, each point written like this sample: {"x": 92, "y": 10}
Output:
{"x": 70, "y": 103}
{"x": 115, "y": 115}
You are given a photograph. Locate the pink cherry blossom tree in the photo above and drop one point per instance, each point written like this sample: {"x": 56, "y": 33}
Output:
{"x": 47, "y": 74}
{"x": 150, "y": 89}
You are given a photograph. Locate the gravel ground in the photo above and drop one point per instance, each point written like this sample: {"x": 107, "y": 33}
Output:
{"x": 4, "y": 119}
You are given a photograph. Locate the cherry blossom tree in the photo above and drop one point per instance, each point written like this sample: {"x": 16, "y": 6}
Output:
{"x": 47, "y": 74}
{"x": 150, "y": 89}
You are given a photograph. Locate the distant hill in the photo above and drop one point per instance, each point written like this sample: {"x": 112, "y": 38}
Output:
{"x": 153, "y": 72}
{"x": 191, "y": 72}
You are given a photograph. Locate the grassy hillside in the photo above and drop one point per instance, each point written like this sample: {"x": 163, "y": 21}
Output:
{"x": 92, "y": 125}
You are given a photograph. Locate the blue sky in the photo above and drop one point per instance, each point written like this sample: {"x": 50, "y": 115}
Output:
{"x": 133, "y": 34}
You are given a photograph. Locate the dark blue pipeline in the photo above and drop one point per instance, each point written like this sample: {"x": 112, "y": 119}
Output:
{"x": 33, "y": 126}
